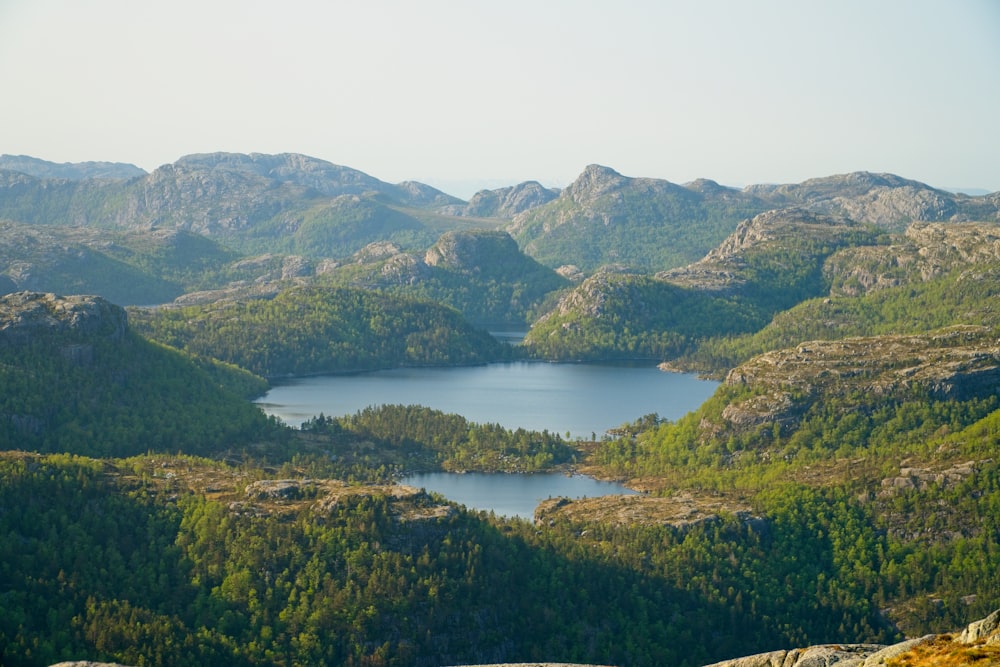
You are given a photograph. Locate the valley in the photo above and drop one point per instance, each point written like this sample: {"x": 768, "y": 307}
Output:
{"x": 840, "y": 485}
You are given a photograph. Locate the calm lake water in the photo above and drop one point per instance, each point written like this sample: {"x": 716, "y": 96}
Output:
{"x": 582, "y": 399}
{"x": 514, "y": 496}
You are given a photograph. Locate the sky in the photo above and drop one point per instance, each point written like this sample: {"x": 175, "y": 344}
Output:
{"x": 463, "y": 94}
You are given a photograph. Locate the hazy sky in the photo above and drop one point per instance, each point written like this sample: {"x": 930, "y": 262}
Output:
{"x": 461, "y": 94}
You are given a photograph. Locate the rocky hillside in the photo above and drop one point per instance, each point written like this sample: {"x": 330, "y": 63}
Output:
{"x": 255, "y": 202}
{"x": 481, "y": 273}
{"x": 926, "y": 251}
{"x": 960, "y": 363}
{"x": 886, "y": 200}
{"x": 652, "y": 225}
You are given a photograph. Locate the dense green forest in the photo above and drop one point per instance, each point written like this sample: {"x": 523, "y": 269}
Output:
{"x": 118, "y": 560}
{"x": 451, "y": 441}
{"x": 321, "y": 330}
{"x": 118, "y": 398}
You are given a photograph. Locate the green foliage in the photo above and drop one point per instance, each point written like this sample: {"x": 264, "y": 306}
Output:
{"x": 117, "y": 398}
{"x": 453, "y": 442}
{"x": 321, "y": 330}
{"x": 639, "y": 317}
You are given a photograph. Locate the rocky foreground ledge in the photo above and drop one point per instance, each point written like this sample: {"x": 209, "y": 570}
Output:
{"x": 978, "y": 644}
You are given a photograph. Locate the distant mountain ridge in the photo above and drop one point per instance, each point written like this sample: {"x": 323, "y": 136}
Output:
{"x": 73, "y": 171}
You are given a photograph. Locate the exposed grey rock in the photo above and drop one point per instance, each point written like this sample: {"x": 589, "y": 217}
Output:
{"x": 376, "y": 252}
{"x": 927, "y": 250}
{"x": 986, "y": 630}
{"x": 506, "y": 202}
{"x": 274, "y": 489}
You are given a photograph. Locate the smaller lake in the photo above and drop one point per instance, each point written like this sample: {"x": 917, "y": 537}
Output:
{"x": 513, "y": 496}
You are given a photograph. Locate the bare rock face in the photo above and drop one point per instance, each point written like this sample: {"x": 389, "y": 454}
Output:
{"x": 507, "y": 202}
{"x": 928, "y": 250}
{"x": 26, "y": 316}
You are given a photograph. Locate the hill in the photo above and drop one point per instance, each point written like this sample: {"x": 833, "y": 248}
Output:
{"x": 77, "y": 379}
{"x": 653, "y": 225}
{"x": 304, "y": 330}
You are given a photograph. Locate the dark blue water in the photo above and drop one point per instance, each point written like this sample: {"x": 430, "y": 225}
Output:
{"x": 584, "y": 400}
{"x": 514, "y": 496}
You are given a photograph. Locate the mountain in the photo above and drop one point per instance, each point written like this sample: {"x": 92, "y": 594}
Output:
{"x": 72, "y": 171}
{"x": 769, "y": 263}
{"x": 505, "y": 202}
{"x": 77, "y": 379}
{"x": 653, "y": 225}
{"x": 886, "y": 200}
{"x": 648, "y": 224}
{"x": 254, "y": 202}
{"x": 481, "y": 273}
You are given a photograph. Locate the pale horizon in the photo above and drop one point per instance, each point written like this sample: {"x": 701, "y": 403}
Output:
{"x": 455, "y": 94}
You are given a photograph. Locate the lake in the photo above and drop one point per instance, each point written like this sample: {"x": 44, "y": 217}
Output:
{"x": 514, "y": 496}
{"x": 584, "y": 400}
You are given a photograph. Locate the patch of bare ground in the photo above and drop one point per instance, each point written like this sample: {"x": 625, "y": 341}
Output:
{"x": 681, "y": 510}
{"x": 246, "y": 493}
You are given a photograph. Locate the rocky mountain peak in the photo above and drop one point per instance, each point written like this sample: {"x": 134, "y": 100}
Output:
{"x": 508, "y": 202}
{"x": 596, "y": 180}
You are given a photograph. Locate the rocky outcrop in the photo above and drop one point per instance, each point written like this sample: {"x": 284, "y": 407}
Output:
{"x": 948, "y": 649}
{"x": 73, "y": 320}
{"x": 473, "y": 251}
{"x": 680, "y": 511}
{"x": 506, "y": 202}
{"x": 927, "y": 250}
